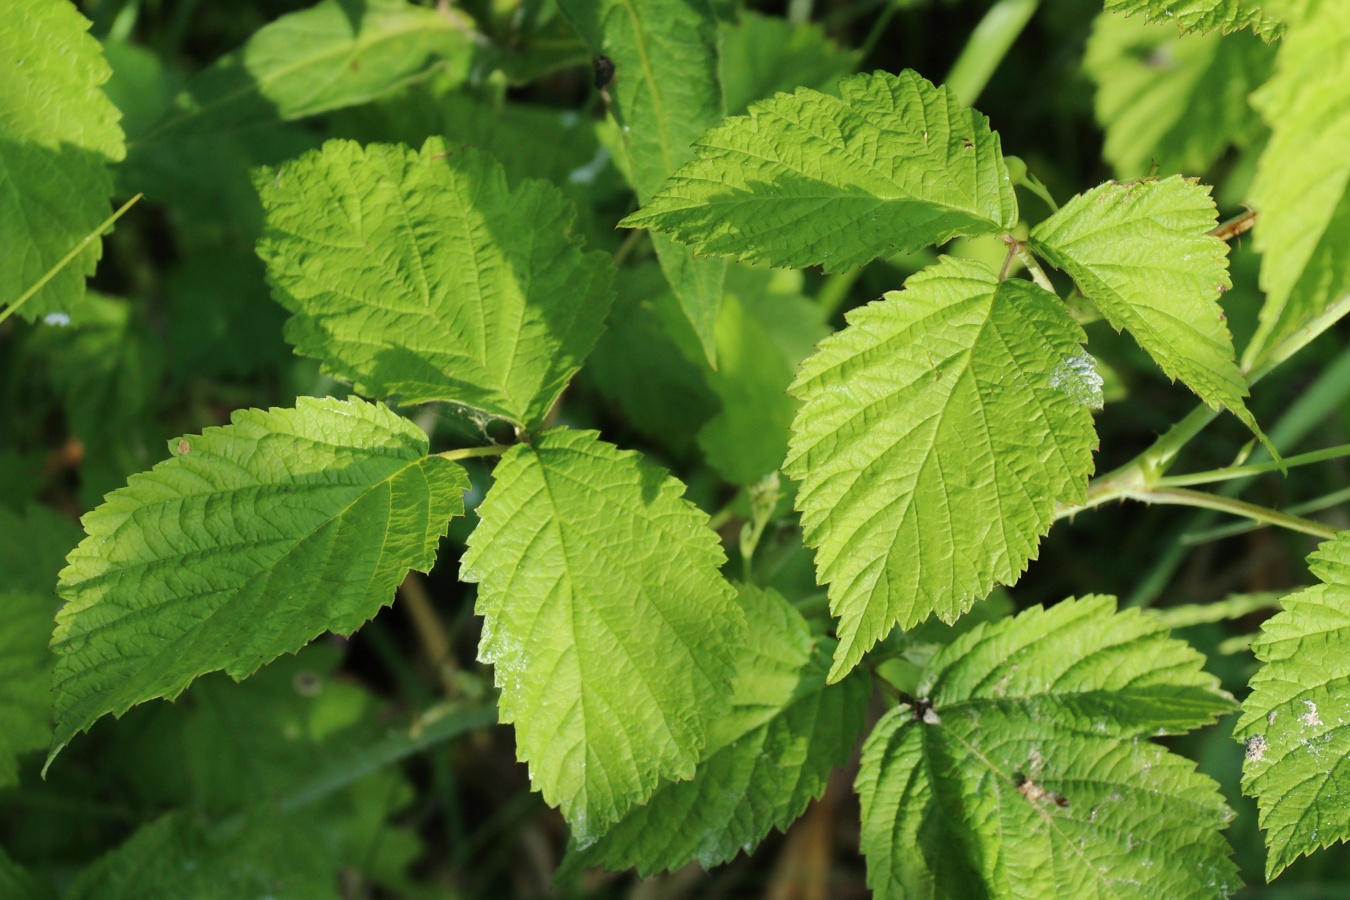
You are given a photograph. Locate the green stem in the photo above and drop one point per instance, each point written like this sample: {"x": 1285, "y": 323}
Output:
{"x": 1037, "y": 187}
{"x": 878, "y": 29}
{"x": 1232, "y": 472}
{"x": 1204, "y": 536}
{"x": 65, "y": 260}
{"x": 1184, "y": 497}
{"x": 471, "y": 452}
{"x": 1029, "y": 260}
{"x": 987, "y": 46}
{"x": 1300, "y": 338}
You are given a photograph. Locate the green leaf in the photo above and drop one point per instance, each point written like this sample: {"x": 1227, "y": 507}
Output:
{"x": 1302, "y": 186}
{"x": 1023, "y": 770}
{"x": 1143, "y": 253}
{"x": 57, "y": 135}
{"x": 336, "y": 53}
{"x": 1207, "y": 15}
{"x": 25, "y": 677}
{"x": 650, "y": 363}
{"x": 762, "y": 55}
{"x": 252, "y": 540}
{"x": 809, "y": 179}
{"x": 612, "y": 633}
{"x": 665, "y": 94}
{"x": 1296, "y": 721}
{"x": 104, "y": 364}
{"x": 422, "y": 275}
{"x": 32, "y": 551}
{"x": 1171, "y": 101}
{"x": 766, "y": 758}
{"x": 937, "y": 433}
{"x": 766, "y": 327}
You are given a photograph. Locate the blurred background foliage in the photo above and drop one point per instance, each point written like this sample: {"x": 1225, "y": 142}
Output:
{"x": 295, "y": 768}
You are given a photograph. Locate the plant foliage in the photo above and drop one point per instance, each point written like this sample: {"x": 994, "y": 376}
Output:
{"x": 704, "y": 403}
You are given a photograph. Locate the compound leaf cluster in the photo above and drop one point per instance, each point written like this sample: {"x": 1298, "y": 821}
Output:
{"x": 1296, "y": 722}
{"x": 1022, "y": 767}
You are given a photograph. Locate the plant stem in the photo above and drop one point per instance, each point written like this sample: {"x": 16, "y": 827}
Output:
{"x": 1029, "y": 260}
{"x": 1192, "y": 538}
{"x": 471, "y": 452}
{"x": 878, "y": 29}
{"x": 988, "y": 45}
{"x": 1232, "y": 472}
{"x": 65, "y": 260}
{"x": 1184, "y": 497}
{"x": 431, "y": 633}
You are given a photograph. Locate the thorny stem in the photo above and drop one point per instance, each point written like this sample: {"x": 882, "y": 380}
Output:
{"x": 1184, "y": 497}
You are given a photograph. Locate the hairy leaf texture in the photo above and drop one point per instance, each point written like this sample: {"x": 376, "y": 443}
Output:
{"x": 768, "y": 757}
{"x": 1143, "y": 253}
{"x": 421, "y": 275}
{"x": 1264, "y": 17}
{"x": 58, "y": 132}
{"x": 1023, "y": 767}
{"x": 612, "y": 632}
{"x": 252, "y": 540}
{"x": 937, "y": 433}
{"x": 806, "y": 179}
{"x": 1296, "y": 722}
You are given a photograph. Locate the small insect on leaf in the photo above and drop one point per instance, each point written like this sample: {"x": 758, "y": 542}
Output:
{"x": 604, "y": 71}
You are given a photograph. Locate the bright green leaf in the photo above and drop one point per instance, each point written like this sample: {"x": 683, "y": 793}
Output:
{"x": 762, "y": 55}
{"x": 1208, "y": 15}
{"x": 1023, "y": 769}
{"x": 611, "y": 631}
{"x": 58, "y": 132}
{"x": 421, "y": 275}
{"x": 1172, "y": 101}
{"x": 937, "y": 433}
{"x": 1143, "y": 253}
{"x": 336, "y": 53}
{"x": 1296, "y": 722}
{"x": 766, "y": 758}
{"x": 1302, "y": 186}
{"x": 809, "y": 179}
{"x": 252, "y": 540}
{"x": 665, "y": 94}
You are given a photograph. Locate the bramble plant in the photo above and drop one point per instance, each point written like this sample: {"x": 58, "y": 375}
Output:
{"x": 649, "y": 449}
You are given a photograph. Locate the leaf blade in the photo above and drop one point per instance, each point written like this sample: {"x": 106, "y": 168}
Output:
{"x": 638, "y": 645}
{"x": 422, "y": 275}
{"x": 210, "y": 560}
{"x": 1143, "y": 253}
{"x": 939, "y": 375}
{"x": 1294, "y": 721}
{"x": 809, "y": 179}
{"x": 1015, "y": 755}
{"x": 765, "y": 760}
{"x": 57, "y": 136}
